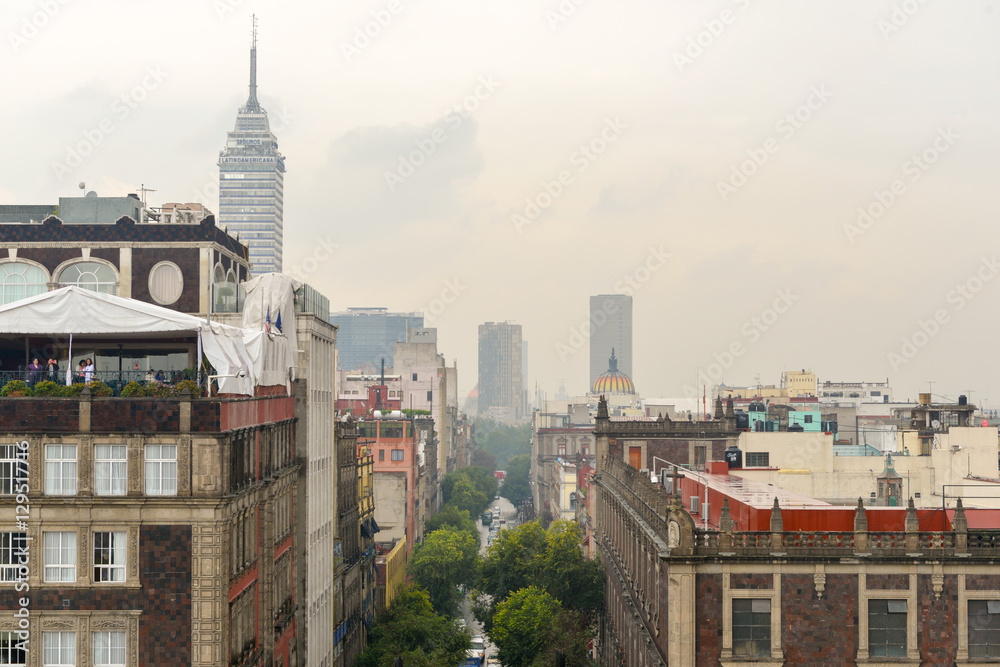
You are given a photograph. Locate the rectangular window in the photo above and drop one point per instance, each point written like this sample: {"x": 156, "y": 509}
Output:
{"x": 10, "y": 654}
{"x": 161, "y": 470}
{"x": 430, "y": 395}
{"x": 58, "y": 649}
{"x": 562, "y": 449}
{"x": 751, "y": 628}
{"x": 13, "y": 548}
{"x": 887, "y": 628}
{"x": 984, "y": 628}
{"x": 110, "y": 470}
{"x": 758, "y": 460}
{"x": 875, "y": 393}
{"x": 109, "y": 649}
{"x": 60, "y": 556}
{"x": 381, "y": 455}
{"x": 8, "y": 469}
{"x": 60, "y": 470}
{"x": 109, "y": 556}
{"x": 414, "y": 377}
{"x": 808, "y": 419}
{"x": 397, "y": 455}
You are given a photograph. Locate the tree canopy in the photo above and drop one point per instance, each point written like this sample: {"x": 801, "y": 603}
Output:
{"x": 503, "y": 440}
{"x": 410, "y": 629}
{"x": 470, "y": 489}
{"x": 551, "y": 560}
{"x": 445, "y": 560}
{"x": 515, "y": 487}
{"x": 523, "y": 625}
{"x": 454, "y": 518}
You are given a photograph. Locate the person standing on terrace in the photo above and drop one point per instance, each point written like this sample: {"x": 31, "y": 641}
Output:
{"x": 34, "y": 372}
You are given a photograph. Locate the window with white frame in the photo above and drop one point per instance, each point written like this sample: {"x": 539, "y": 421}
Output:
{"x": 19, "y": 280}
{"x": 11, "y": 650}
{"x": 59, "y": 550}
{"x": 752, "y": 628}
{"x": 887, "y": 628}
{"x": 13, "y": 547}
{"x": 161, "y": 470}
{"x": 60, "y": 470}
{"x": 94, "y": 276}
{"x": 984, "y": 628}
{"x": 109, "y": 649}
{"x": 58, "y": 649}
{"x": 8, "y": 469}
{"x": 110, "y": 470}
{"x": 397, "y": 455}
{"x": 166, "y": 283}
{"x": 109, "y": 556}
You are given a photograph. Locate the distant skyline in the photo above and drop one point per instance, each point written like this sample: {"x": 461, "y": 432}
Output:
{"x": 777, "y": 186}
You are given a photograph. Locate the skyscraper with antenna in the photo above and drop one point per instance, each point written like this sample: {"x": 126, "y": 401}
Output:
{"x": 251, "y": 181}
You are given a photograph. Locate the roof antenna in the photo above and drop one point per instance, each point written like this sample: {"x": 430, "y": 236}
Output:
{"x": 252, "y": 103}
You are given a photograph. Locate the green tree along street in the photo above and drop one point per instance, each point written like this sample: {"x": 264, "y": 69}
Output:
{"x": 470, "y": 489}
{"x": 411, "y": 630}
{"x": 515, "y": 488}
{"x": 524, "y": 623}
{"x": 503, "y": 441}
{"x": 551, "y": 562}
{"x": 453, "y": 518}
{"x": 445, "y": 560}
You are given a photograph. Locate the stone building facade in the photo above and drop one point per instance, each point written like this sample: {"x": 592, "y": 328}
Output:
{"x": 680, "y": 594}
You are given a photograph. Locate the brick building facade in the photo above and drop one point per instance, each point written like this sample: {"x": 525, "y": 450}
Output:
{"x": 683, "y": 594}
{"x": 162, "y": 536}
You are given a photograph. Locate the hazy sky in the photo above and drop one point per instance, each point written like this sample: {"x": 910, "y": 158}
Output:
{"x": 715, "y": 155}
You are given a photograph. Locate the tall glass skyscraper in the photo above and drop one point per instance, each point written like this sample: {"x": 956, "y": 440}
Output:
{"x": 368, "y": 335}
{"x": 251, "y": 182}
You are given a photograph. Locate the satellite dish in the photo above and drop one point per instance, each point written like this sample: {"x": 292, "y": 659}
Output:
{"x": 936, "y": 424}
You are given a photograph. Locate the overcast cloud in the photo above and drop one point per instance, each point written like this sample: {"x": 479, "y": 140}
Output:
{"x": 739, "y": 137}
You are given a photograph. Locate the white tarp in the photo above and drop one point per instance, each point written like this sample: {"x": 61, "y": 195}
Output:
{"x": 73, "y": 310}
{"x": 269, "y": 332}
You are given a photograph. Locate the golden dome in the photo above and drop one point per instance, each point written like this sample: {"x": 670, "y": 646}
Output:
{"x": 614, "y": 381}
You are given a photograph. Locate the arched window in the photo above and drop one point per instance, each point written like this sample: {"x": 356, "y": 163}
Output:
{"x": 19, "y": 280}
{"x": 226, "y": 293}
{"x": 90, "y": 275}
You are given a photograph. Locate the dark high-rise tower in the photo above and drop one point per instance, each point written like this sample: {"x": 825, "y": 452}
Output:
{"x": 251, "y": 181}
{"x": 501, "y": 385}
{"x": 610, "y": 327}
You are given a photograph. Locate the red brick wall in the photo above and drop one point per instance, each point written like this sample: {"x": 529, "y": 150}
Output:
{"x": 708, "y": 606}
{"x": 50, "y": 258}
{"x": 675, "y": 451}
{"x": 819, "y": 631}
{"x": 52, "y": 415}
{"x": 164, "y": 599}
{"x": 144, "y": 259}
{"x": 765, "y": 581}
{"x": 887, "y": 582}
{"x": 982, "y": 582}
{"x": 938, "y": 621}
{"x": 144, "y": 415}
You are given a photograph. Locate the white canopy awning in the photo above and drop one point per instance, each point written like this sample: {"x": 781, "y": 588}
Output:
{"x": 77, "y": 311}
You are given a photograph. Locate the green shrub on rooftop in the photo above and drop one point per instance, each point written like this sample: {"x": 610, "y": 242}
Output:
{"x": 15, "y": 388}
